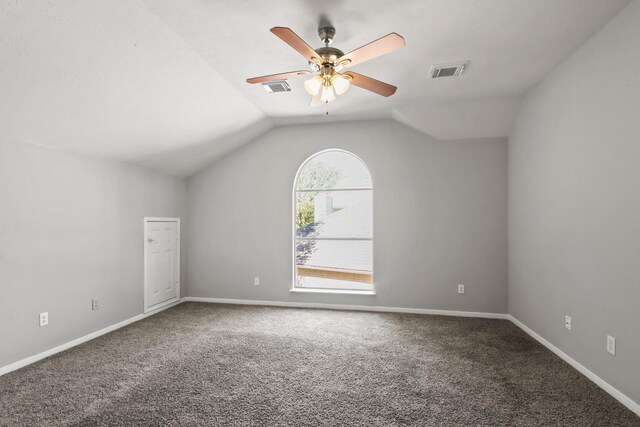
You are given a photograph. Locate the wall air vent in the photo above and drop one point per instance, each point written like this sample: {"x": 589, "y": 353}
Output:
{"x": 277, "y": 86}
{"x": 447, "y": 70}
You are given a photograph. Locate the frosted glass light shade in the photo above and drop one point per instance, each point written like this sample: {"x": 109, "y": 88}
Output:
{"x": 327, "y": 94}
{"x": 313, "y": 85}
{"x": 340, "y": 83}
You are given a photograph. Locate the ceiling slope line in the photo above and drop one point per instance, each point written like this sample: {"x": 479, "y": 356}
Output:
{"x": 180, "y": 162}
{"x": 204, "y": 59}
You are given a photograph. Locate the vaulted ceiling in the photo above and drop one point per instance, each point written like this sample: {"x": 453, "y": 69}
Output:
{"x": 162, "y": 82}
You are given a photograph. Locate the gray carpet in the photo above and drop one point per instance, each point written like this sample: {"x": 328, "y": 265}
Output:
{"x": 211, "y": 364}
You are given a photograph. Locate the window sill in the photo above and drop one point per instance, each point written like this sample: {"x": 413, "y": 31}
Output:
{"x": 332, "y": 291}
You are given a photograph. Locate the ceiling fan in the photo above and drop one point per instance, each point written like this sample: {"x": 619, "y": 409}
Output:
{"x": 327, "y": 62}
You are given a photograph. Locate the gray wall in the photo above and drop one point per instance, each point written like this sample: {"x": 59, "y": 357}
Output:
{"x": 574, "y": 204}
{"x": 71, "y": 229}
{"x": 439, "y": 217}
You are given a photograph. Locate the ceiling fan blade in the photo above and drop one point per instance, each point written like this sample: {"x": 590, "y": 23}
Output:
{"x": 316, "y": 101}
{"x": 376, "y": 48}
{"x": 278, "y": 76}
{"x": 381, "y": 88}
{"x": 293, "y": 40}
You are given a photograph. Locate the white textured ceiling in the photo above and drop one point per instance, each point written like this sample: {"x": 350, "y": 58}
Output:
{"x": 162, "y": 82}
{"x": 111, "y": 79}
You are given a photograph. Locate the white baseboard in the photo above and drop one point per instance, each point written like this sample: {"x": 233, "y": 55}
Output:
{"x": 617, "y": 394}
{"x": 29, "y": 360}
{"x": 349, "y": 307}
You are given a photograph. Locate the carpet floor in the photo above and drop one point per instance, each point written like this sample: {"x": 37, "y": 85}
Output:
{"x": 202, "y": 364}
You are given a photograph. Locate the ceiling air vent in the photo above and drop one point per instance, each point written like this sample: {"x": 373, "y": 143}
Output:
{"x": 447, "y": 70}
{"x": 277, "y": 86}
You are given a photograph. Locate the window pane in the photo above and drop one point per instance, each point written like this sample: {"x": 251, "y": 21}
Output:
{"x": 334, "y": 214}
{"x": 335, "y": 264}
{"x": 333, "y": 169}
{"x": 333, "y": 222}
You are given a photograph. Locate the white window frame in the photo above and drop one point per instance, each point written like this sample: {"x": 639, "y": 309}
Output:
{"x": 294, "y": 288}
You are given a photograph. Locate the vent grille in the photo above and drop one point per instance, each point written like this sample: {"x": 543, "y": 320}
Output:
{"x": 277, "y": 86}
{"x": 447, "y": 70}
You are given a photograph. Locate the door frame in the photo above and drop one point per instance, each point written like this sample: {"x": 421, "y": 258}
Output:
{"x": 148, "y": 219}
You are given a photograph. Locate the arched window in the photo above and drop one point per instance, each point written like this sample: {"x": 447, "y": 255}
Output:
{"x": 333, "y": 237}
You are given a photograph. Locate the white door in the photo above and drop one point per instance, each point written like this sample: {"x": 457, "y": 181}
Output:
{"x": 162, "y": 263}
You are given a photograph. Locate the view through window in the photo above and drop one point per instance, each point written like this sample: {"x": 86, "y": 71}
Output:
{"x": 333, "y": 223}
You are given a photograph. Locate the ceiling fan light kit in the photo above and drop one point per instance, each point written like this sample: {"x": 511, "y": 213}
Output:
{"x": 328, "y": 81}
{"x": 327, "y": 63}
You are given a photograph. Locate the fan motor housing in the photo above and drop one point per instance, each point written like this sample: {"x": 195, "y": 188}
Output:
{"x": 329, "y": 54}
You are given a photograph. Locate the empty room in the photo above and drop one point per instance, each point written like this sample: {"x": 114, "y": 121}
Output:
{"x": 320, "y": 213}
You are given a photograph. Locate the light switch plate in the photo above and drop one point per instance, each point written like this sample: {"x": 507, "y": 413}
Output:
{"x": 611, "y": 345}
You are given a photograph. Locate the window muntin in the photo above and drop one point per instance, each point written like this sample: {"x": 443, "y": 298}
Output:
{"x": 333, "y": 239}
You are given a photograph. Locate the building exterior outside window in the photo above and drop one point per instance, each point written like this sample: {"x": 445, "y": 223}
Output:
{"x": 333, "y": 239}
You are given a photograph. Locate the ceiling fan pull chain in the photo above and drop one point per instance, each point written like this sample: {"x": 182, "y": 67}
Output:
{"x": 327, "y": 104}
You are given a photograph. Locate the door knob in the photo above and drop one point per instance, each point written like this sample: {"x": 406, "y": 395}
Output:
{"x": 150, "y": 240}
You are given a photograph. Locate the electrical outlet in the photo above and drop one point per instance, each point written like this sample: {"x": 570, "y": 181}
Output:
{"x": 256, "y": 281}
{"x": 94, "y": 304}
{"x": 567, "y": 322}
{"x": 44, "y": 318}
{"x": 611, "y": 345}
{"x": 461, "y": 289}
